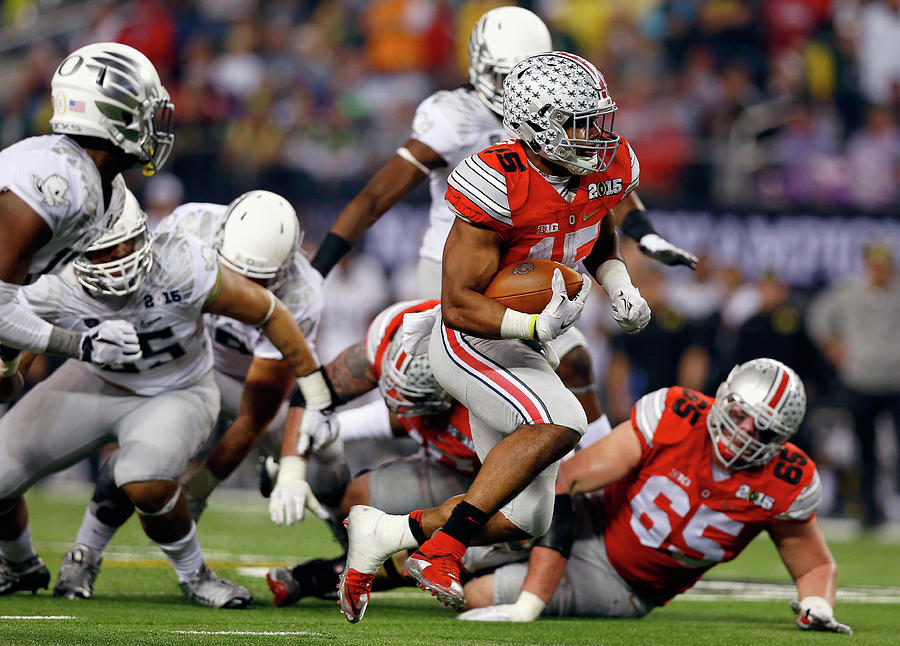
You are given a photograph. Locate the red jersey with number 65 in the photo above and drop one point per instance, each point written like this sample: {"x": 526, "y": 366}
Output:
{"x": 680, "y": 513}
{"x": 446, "y": 437}
{"x": 498, "y": 188}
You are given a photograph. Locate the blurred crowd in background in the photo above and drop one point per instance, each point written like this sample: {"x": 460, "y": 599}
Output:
{"x": 784, "y": 107}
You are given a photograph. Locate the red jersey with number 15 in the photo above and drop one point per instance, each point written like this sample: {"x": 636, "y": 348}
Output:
{"x": 680, "y": 514}
{"x": 499, "y": 189}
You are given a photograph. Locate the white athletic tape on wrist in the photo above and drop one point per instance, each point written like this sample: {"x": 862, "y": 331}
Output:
{"x": 291, "y": 468}
{"x": 517, "y": 325}
{"x": 315, "y": 390}
{"x": 819, "y": 604}
{"x": 403, "y": 152}
{"x": 612, "y": 273}
{"x": 530, "y": 604}
{"x": 165, "y": 509}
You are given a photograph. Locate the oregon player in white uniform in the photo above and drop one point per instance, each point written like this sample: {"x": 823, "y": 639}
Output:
{"x": 159, "y": 409}
{"x": 60, "y": 192}
{"x": 257, "y": 235}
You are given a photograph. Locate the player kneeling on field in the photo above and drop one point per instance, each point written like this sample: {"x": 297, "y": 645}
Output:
{"x": 687, "y": 483}
{"x": 159, "y": 409}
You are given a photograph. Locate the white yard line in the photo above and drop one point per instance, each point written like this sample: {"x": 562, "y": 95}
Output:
{"x": 30, "y": 617}
{"x": 248, "y": 632}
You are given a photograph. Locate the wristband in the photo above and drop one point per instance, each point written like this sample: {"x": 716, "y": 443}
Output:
{"x": 530, "y": 604}
{"x": 202, "y": 483}
{"x": 291, "y": 468}
{"x": 636, "y": 224}
{"x": 315, "y": 390}
{"x": 517, "y": 325}
{"x": 611, "y": 273}
{"x": 330, "y": 252}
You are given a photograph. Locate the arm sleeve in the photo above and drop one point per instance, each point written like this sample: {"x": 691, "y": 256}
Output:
{"x": 19, "y": 326}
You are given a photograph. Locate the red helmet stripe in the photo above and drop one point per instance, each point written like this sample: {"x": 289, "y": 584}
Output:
{"x": 782, "y": 386}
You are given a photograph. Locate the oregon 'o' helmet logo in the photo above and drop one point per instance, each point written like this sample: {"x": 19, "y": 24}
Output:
{"x": 523, "y": 268}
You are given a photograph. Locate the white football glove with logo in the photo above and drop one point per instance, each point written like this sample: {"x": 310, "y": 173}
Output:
{"x": 110, "y": 343}
{"x": 661, "y": 250}
{"x": 292, "y": 495}
{"x": 629, "y": 308}
{"x": 815, "y": 613}
{"x": 561, "y": 312}
{"x": 527, "y": 607}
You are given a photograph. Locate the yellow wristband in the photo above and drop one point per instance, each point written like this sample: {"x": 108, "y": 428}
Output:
{"x": 533, "y": 323}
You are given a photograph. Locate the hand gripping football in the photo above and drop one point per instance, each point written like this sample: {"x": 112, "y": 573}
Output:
{"x": 525, "y": 286}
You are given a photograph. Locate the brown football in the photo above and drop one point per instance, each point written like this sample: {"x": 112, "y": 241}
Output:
{"x": 525, "y": 286}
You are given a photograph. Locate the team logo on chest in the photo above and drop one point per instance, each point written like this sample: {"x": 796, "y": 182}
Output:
{"x": 604, "y": 188}
{"x": 758, "y": 498}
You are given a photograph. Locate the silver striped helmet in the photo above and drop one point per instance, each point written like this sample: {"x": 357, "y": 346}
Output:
{"x": 559, "y": 104}
{"x": 500, "y": 39}
{"x": 122, "y": 275}
{"x": 112, "y": 91}
{"x": 768, "y": 392}
{"x": 408, "y": 385}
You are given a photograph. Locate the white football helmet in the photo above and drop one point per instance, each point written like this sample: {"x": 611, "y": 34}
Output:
{"x": 408, "y": 385}
{"x": 501, "y": 38}
{"x": 770, "y": 393}
{"x": 122, "y": 276}
{"x": 112, "y": 91}
{"x": 259, "y": 235}
{"x": 548, "y": 95}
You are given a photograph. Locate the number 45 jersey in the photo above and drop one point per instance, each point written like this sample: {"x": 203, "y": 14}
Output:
{"x": 680, "y": 513}
{"x": 166, "y": 310}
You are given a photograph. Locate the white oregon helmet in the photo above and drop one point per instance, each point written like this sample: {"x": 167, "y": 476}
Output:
{"x": 259, "y": 235}
{"x": 547, "y": 93}
{"x": 112, "y": 91}
{"x": 123, "y": 276}
{"x": 408, "y": 385}
{"x": 769, "y": 392}
{"x": 501, "y": 38}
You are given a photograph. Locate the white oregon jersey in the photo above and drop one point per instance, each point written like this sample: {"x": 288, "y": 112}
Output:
{"x": 454, "y": 124}
{"x": 166, "y": 310}
{"x": 55, "y": 176}
{"x": 235, "y": 343}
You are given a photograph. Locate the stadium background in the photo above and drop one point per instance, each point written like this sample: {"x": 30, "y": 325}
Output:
{"x": 767, "y": 132}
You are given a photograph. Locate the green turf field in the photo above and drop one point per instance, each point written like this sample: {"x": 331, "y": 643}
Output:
{"x": 138, "y": 600}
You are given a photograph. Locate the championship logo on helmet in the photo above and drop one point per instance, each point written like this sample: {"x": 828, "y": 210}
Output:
{"x": 112, "y": 91}
{"x": 259, "y": 235}
{"x": 769, "y": 393}
{"x": 559, "y": 104}
{"x": 501, "y": 38}
{"x": 122, "y": 275}
{"x": 408, "y": 385}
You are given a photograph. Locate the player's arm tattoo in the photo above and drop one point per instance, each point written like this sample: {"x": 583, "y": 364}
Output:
{"x": 350, "y": 372}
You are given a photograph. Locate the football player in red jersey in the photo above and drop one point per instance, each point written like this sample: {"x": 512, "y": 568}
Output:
{"x": 687, "y": 483}
{"x": 546, "y": 194}
{"x": 412, "y": 403}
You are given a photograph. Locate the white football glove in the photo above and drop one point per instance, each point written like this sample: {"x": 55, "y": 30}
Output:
{"x": 661, "y": 250}
{"x": 527, "y": 607}
{"x": 110, "y": 343}
{"x": 292, "y": 495}
{"x": 318, "y": 429}
{"x": 560, "y": 313}
{"x": 629, "y": 308}
{"x": 815, "y": 613}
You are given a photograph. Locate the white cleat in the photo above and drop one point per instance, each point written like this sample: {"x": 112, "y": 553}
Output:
{"x": 372, "y": 539}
